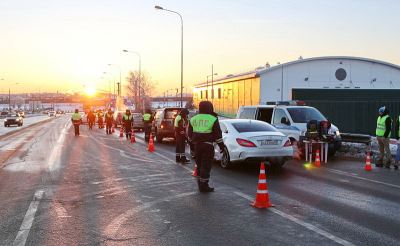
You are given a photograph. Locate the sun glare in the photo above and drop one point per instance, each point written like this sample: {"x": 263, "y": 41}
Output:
{"x": 90, "y": 91}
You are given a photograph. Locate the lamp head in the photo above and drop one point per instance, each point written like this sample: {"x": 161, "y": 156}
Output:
{"x": 158, "y": 7}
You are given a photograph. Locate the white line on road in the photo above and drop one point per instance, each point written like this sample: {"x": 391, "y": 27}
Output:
{"x": 361, "y": 178}
{"x": 26, "y": 225}
{"x": 302, "y": 223}
{"x": 172, "y": 161}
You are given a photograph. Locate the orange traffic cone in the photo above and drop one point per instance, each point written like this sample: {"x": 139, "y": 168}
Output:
{"x": 133, "y": 139}
{"x": 368, "y": 163}
{"x": 121, "y": 133}
{"x": 150, "y": 148}
{"x": 195, "y": 174}
{"x": 317, "y": 159}
{"x": 262, "y": 196}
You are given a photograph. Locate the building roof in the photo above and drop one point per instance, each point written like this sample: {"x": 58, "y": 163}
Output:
{"x": 262, "y": 70}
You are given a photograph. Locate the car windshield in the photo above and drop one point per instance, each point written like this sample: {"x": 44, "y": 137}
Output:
{"x": 304, "y": 115}
{"x": 253, "y": 126}
{"x": 171, "y": 114}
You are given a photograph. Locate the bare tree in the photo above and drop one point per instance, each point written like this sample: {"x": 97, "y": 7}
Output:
{"x": 140, "y": 88}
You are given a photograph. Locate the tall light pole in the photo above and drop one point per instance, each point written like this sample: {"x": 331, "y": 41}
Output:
{"x": 161, "y": 8}
{"x": 140, "y": 75}
{"x": 119, "y": 84}
{"x": 207, "y": 82}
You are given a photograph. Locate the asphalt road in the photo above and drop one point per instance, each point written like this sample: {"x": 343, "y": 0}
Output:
{"x": 58, "y": 189}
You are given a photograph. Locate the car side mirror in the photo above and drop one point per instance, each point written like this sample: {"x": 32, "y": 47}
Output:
{"x": 226, "y": 131}
{"x": 285, "y": 121}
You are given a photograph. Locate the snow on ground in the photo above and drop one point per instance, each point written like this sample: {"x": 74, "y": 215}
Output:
{"x": 357, "y": 150}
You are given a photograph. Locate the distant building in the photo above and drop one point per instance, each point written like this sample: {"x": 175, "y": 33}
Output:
{"x": 279, "y": 82}
{"x": 304, "y": 79}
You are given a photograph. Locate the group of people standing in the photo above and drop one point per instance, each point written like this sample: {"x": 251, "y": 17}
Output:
{"x": 201, "y": 132}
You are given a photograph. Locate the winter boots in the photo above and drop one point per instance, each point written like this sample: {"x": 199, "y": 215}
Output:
{"x": 204, "y": 187}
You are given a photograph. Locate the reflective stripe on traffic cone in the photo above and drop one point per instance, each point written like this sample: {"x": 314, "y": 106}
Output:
{"x": 368, "y": 166}
{"x": 195, "y": 174}
{"x": 317, "y": 159}
{"x": 133, "y": 139}
{"x": 150, "y": 148}
{"x": 262, "y": 196}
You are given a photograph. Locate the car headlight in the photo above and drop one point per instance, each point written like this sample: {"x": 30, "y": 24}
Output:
{"x": 338, "y": 133}
{"x": 16, "y": 119}
{"x": 5, "y": 120}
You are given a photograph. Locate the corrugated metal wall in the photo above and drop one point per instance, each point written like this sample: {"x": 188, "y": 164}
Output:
{"x": 352, "y": 110}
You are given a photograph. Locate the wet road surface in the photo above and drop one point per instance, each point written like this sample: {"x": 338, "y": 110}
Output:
{"x": 95, "y": 189}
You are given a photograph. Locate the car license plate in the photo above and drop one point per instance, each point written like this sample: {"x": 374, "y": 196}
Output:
{"x": 268, "y": 142}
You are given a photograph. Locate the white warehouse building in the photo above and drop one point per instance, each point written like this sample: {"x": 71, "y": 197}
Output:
{"x": 334, "y": 78}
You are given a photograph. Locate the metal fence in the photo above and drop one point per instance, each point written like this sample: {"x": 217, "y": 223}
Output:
{"x": 352, "y": 110}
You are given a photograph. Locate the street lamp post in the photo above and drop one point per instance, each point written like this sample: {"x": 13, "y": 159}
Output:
{"x": 140, "y": 75}
{"x": 161, "y": 8}
{"x": 119, "y": 84}
{"x": 211, "y": 75}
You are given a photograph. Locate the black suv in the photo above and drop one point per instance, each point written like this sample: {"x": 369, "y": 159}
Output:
{"x": 164, "y": 123}
{"x": 13, "y": 119}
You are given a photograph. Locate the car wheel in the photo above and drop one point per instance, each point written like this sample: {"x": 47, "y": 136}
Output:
{"x": 225, "y": 159}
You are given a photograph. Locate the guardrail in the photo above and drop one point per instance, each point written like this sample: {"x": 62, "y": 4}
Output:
{"x": 356, "y": 138}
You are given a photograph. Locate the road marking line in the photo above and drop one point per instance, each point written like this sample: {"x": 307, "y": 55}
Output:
{"x": 302, "y": 223}
{"x": 361, "y": 178}
{"x": 26, "y": 225}
{"x": 113, "y": 228}
{"x": 172, "y": 161}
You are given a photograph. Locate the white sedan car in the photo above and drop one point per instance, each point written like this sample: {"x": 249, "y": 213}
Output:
{"x": 253, "y": 141}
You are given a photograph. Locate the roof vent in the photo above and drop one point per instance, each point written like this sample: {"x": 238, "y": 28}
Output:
{"x": 300, "y": 57}
{"x": 229, "y": 75}
{"x": 267, "y": 65}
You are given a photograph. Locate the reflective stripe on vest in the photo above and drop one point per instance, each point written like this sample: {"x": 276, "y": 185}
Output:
{"x": 177, "y": 119}
{"x": 76, "y": 116}
{"x": 381, "y": 126}
{"x": 127, "y": 117}
{"x": 147, "y": 117}
{"x": 203, "y": 123}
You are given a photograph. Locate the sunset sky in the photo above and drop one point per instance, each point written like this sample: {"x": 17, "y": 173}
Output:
{"x": 50, "y": 45}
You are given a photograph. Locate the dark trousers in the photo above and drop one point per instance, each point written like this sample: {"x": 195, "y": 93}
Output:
{"x": 108, "y": 127}
{"x": 128, "y": 132}
{"x": 147, "y": 129}
{"x": 76, "y": 127}
{"x": 204, "y": 160}
{"x": 179, "y": 146}
{"x": 90, "y": 123}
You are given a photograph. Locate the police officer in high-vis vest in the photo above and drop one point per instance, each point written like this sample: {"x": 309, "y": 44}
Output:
{"x": 76, "y": 119}
{"x": 127, "y": 121}
{"x": 147, "y": 120}
{"x": 109, "y": 119}
{"x": 203, "y": 131}
{"x": 180, "y": 136}
{"x": 383, "y": 128}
